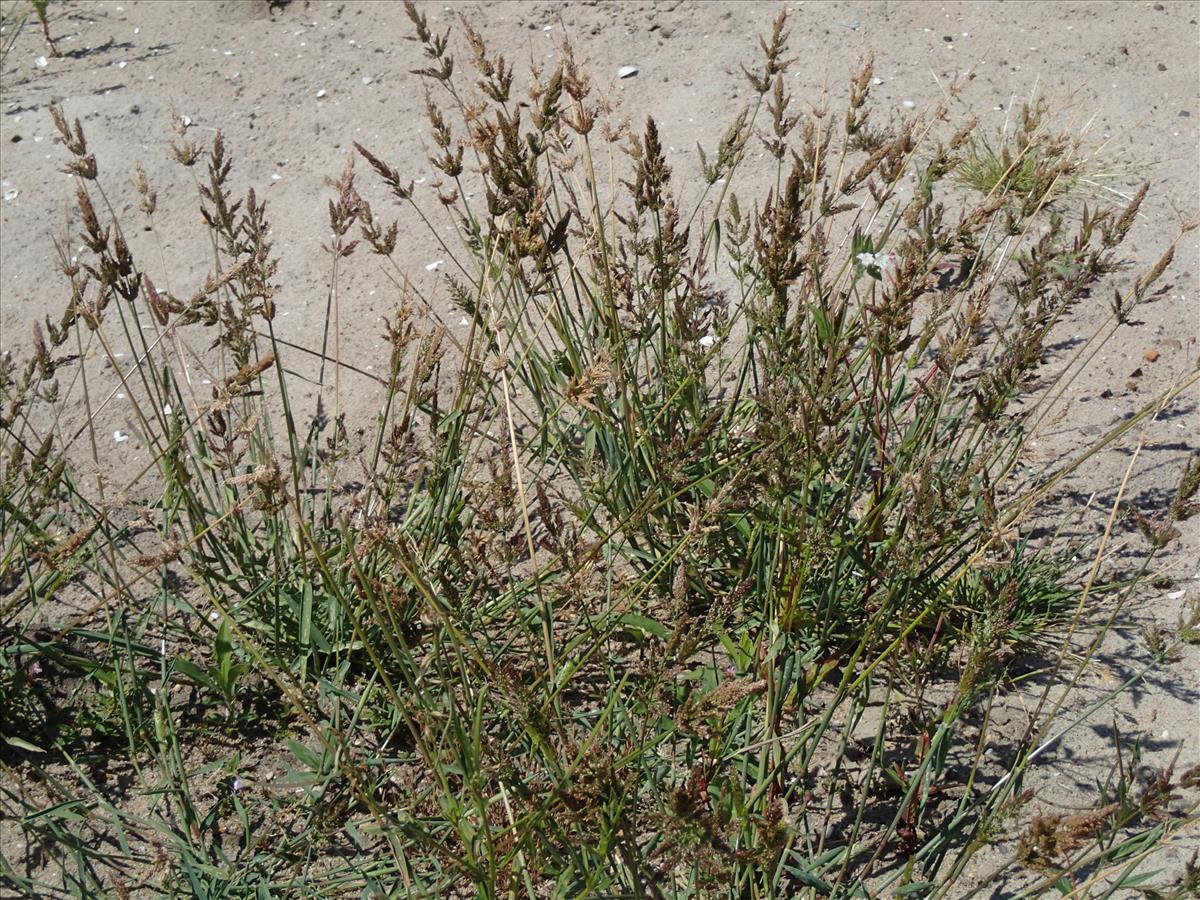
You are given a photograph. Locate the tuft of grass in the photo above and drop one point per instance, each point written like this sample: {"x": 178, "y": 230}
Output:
{"x": 695, "y": 564}
{"x": 1031, "y": 166}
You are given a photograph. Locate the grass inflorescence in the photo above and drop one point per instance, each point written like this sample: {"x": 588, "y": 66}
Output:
{"x": 695, "y": 565}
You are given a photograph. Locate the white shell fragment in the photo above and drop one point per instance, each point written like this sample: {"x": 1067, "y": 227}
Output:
{"x": 320, "y": 93}
{"x": 41, "y": 62}
{"x": 909, "y": 104}
{"x": 122, "y": 64}
{"x": 627, "y": 71}
{"x": 435, "y": 265}
{"x": 11, "y": 195}
{"x": 120, "y": 437}
{"x": 707, "y": 341}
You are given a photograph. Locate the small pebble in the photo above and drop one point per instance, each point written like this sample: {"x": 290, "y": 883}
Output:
{"x": 122, "y": 64}
{"x": 10, "y": 196}
{"x": 1150, "y": 355}
{"x": 41, "y": 62}
{"x": 909, "y": 104}
{"x": 367, "y": 79}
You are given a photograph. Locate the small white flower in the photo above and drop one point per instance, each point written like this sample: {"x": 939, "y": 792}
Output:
{"x": 880, "y": 261}
{"x": 120, "y": 437}
{"x": 238, "y": 785}
{"x": 707, "y": 341}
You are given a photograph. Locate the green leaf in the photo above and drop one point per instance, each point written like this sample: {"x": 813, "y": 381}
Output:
{"x": 808, "y": 878}
{"x": 307, "y": 757}
{"x": 22, "y": 744}
{"x": 644, "y": 624}
{"x": 193, "y": 672}
{"x": 917, "y": 889}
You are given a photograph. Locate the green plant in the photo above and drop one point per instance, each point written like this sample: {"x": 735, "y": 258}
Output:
{"x": 223, "y": 676}
{"x": 694, "y": 566}
{"x": 1032, "y": 166}
{"x": 39, "y": 9}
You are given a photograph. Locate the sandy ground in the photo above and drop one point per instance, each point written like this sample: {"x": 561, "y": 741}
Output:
{"x": 292, "y": 87}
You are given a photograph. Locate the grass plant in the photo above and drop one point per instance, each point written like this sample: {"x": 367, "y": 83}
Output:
{"x": 696, "y": 565}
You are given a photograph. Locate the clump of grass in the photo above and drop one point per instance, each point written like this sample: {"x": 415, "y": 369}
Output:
{"x": 694, "y": 566}
{"x": 1032, "y": 165}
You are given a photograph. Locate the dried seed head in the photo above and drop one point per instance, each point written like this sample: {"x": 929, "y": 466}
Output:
{"x": 74, "y": 142}
{"x": 390, "y": 176}
{"x": 83, "y": 166}
{"x": 160, "y": 309}
{"x": 679, "y": 584}
{"x": 149, "y": 197}
{"x": 41, "y": 354}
